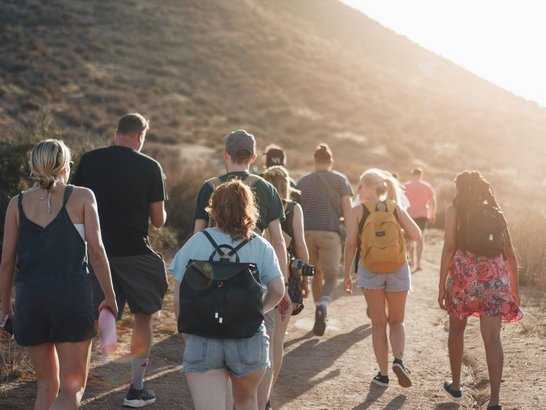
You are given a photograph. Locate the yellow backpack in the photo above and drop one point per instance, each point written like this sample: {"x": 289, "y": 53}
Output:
{"x": 382, "y": 245}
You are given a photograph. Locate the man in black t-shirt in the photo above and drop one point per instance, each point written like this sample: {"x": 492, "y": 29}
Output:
{"x": 130, "y": 191}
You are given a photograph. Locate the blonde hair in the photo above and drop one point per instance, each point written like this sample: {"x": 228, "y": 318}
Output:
{"x": 47, "y": 160}
{"x": 278, "y": 176}
{"x": 382, "y": 181}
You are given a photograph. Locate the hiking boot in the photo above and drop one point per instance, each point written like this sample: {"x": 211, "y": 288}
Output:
{"x": 320, "y": 320}
{"x": 402, "y": 373}
{"x": 381, "y": 380}
{"x": 495, "y": 407}
{"x": 138, "y": 398}
{"x": 454, "y": 394}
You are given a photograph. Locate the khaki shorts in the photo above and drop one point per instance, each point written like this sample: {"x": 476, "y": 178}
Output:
{"x": 324, "y": 250}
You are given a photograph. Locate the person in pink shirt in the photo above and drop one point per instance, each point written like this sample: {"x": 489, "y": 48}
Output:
{"x": 422, "y": 209}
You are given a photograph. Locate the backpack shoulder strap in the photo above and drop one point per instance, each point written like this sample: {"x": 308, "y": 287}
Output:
{"x": 218, "y": 248}
{"x": 214, "y": 182}
{"x": 391, "y": 206}
{"x": 251, "y": 179}
{"x": 365, "y": 213}
{"x": 367, "y": 206}
{"x": 213, "y": 243}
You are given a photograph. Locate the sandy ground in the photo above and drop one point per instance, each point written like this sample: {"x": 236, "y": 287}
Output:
{"x": 334, "y": 371}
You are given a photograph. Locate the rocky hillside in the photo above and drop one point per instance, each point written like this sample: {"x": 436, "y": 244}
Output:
{"x": 293, "y": 72}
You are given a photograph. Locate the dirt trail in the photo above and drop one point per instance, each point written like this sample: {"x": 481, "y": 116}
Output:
{"x": 334, "y": 371}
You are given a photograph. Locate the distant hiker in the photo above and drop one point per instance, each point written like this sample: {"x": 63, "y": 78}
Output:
{"x": 130, "y": 191}
{"x": 422, "y": 209}
{"x": 478, "y": 277}
{"x": 49, "y": 230}
{"x": 325, "y": 198}
{"x": 239, "y": 154}
{"x": 274, "y": 156}
{"x": 298, "y": 256}
{"x": 383, "y": 270}
{"x": 210, "y": 362}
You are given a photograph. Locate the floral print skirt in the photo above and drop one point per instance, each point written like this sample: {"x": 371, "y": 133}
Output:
{"x": 480, "y": 286}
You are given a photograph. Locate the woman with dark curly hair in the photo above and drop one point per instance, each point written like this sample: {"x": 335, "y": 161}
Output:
{"x": 209, "y": 363}
{"x": 478, "y": 277}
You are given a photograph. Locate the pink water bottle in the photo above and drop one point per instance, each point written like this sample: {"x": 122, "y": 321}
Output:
{"x": 107, "y": 331}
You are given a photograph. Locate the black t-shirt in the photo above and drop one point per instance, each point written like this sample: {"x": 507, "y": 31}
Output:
{"x": 125, "y": 182}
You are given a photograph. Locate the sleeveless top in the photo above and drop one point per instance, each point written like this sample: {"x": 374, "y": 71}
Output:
{"x": 50, "y": 256}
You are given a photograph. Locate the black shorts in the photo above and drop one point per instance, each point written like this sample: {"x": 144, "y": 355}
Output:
{"x": 140, "y": 281}
{"x": 54, "y": 314}
{"x": 421, "y": 223}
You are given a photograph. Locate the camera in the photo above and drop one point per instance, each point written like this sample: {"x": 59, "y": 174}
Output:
{"x": 301, "y": 267}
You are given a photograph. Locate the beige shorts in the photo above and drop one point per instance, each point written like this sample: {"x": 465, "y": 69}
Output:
{"x": 324, "y": 250}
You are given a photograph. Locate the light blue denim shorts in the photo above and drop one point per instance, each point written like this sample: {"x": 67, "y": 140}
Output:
{"x": 390, "y": 282}
{"x": 239, "y": 356}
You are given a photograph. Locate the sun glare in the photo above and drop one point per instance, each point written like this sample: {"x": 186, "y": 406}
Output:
{"x": 498, "y": 40}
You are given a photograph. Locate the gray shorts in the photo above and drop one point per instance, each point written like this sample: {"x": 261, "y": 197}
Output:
{"x": 239, "y": 356}
{"x": 140, "y": 281}
{"x": 390, "y": 282}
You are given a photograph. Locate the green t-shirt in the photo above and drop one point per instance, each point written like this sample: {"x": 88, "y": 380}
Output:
{"x": 267, "y": 198}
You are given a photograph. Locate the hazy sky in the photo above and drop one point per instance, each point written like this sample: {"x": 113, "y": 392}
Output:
{"x": 502, "y": 41}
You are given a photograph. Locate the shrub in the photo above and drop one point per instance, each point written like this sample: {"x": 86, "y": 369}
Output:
{"x": 527, "y": 231}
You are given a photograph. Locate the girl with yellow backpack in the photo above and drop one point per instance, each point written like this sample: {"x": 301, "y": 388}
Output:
{"x": 380, "y": 225}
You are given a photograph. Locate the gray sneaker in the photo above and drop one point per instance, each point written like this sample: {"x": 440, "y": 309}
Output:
{"x": 139, "y": 398}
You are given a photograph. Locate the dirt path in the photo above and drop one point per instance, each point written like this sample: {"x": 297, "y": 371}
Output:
{"x": 334, "y": 371}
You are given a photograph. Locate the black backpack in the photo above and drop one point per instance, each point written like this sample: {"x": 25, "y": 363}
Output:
{"x": 221, "y": 299}
{"x": 484, "y": 230}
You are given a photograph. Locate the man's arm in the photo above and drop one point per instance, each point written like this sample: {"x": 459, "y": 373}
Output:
{"x": 158, "y": 214}
{"x": 199, "y": 225}
{"x": 279, "y": 245}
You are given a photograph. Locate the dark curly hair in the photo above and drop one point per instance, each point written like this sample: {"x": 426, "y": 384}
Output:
{"x": 472, "y": 190}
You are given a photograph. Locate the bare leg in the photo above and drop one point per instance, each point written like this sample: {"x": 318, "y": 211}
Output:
{"x": 490, "y": 328}
{"x": 264, "y": 389}
{"x": 46, "y": 364}
{"x": 397, "y": 307}
{"x": 141, "y": 339}
{"x": 74, "y": 367}
{"x": 141, "y": 343}
{"x": 330, "y": 282}
{"x": 419, "y": 249}
{"x": 455, "y": 344}
{"x": 317, "y": 284}
{"x": 375, "y": 299}
{"x": 278, "y": 341}
{"x": 208, "y": 389}
{"x": 245, "y": 390}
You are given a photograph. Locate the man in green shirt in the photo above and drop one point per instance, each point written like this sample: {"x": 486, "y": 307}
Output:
{"x": 239, "y": 154}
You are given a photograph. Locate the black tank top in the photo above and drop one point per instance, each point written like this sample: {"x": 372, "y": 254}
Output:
{"x": 50, "y": 256}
